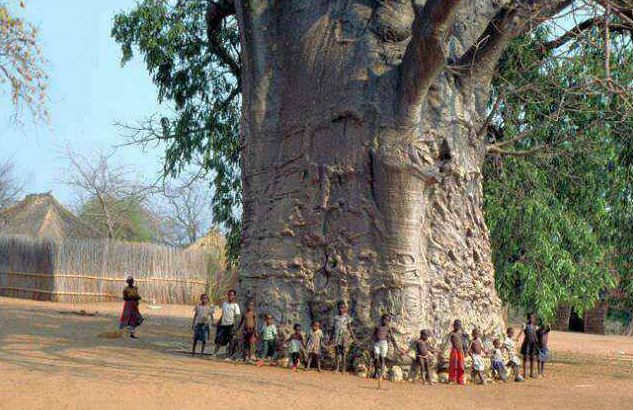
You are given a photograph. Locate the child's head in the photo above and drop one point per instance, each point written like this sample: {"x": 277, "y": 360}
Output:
{"x": 531, "y": 318}
{"x": 250, "y": 306}
{"x": 297, "y": 328}
{"x": 385, "y": 319}
{"x": 510, "y": 332}
{"x": 130, "y": 281}
{"x": 269, "y": 319}
{"x": 457, "y": 324}
{"x": 496, "y": 343}
{"x": 424, "y": 334}
{"x": 231, "y": 294}
{"x": 475, "y": 333}
{"x": 204, "y": 298}
{"x": 342, "y": 308}
{"x": 316, "y": 325}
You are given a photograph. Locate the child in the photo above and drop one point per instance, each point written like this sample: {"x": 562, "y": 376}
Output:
{"x": 249, "y": 341}
{"x": 497, "y": 361}
{"x": 513, "y": 361}
{"x": 476, "y": 351}
{"x": 423, "y": 351}
{"x": 314, "y": 345}
{"x": 269, "y": 336}
{"x": 542, "y": 334}
{"x": 529, "y": 347}
{"x": 381, "y": 337}
{"x": 224, "y": 335}
{"x": 456, "y": 365}
{"x": 342, "y": 334}
{"x": 296, "y": 346}
{"x": 200, "y": 324}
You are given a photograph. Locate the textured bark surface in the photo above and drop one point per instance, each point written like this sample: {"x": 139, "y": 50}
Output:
{"x": 362, "y": 162}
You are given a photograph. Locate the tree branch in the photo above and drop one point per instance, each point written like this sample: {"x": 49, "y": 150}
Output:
{"x": 424, "y": 56}
{"x": 215, "y": 15}
{"x": 581, "y": 28}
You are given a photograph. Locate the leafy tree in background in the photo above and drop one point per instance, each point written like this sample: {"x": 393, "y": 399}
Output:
{"x": 555, "y": 204}
{"x": 195, "y": 66}
{"x": 131, "y": 220}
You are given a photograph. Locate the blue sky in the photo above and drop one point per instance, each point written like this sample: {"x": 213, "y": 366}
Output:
{"x": 89, "y": 92}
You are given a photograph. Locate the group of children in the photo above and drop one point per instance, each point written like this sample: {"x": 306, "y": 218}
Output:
{"x": 534, "y": 347}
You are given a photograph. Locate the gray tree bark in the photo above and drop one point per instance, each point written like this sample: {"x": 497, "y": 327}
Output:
{"x": 362, "y": 158}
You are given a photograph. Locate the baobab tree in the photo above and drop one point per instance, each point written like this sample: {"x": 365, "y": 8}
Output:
{"x": 362, "y": 149}
{"x": 364, "y": 128}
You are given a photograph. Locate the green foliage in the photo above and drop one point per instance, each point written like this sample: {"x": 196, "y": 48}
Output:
{"x": 132, "y": 222}
{"x": 556, "y": 215}
{"x": 198, "y": 77}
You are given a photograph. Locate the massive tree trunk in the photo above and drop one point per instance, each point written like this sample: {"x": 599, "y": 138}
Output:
{"x": 362, "y": 157}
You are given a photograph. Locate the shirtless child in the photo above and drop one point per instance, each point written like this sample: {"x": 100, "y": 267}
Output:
{"x": 249, "y": 332}
{"x": 476, "y": 352}
{"x": 456, "y": 365}
{"x": 381, "y": 337}
{"x": 542, "y": 336}
{"x": 423, "y": 356}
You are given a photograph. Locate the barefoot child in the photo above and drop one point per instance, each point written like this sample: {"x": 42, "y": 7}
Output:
{"x": 381, "y": 337}
{"x": 200, "y": 324}
{"x": 513, "y": 361}
{"x": 423, "y": 354}
{"x": 296, "y": 346}
{"x": 342, "y": 335}
{"x": 314, "y": 345}
{"x": 249, "y": 333}
{"x": 224, "y": 335}
{"x": 476, "y": 352}
{"x": 269, "y": 336}
{"x": 498, "y": 367}
{"x": 542, "y": 335}
{"x": 529, "y": 345}
{"x": 456, "y": 365}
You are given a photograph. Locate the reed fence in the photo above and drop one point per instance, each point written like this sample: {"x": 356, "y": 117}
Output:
{"x": 95, "y": 270}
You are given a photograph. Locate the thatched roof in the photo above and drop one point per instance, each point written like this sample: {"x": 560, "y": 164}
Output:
{"x": 212, "y": 241}
{"x": 41, "y": 216}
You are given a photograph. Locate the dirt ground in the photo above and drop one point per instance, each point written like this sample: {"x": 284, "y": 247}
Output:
{"x": 52, "y": 360}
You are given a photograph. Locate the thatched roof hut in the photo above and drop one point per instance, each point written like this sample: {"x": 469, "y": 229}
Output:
{"x": 41, "y": 216}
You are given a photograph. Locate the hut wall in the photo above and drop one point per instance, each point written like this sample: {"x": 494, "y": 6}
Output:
{"x": 563, "y": 314}
{"x": 95, "y": 270}
{"x": 26, "y": 268}
{"x": 595, "y": 318}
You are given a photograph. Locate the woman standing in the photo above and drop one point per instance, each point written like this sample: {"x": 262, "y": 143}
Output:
{"x": 131, "y": 317}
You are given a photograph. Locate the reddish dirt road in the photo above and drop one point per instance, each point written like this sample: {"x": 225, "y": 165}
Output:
{"x": 56, "y": 361}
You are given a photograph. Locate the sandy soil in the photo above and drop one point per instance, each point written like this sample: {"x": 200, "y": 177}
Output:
{"x": 56, "y": 361}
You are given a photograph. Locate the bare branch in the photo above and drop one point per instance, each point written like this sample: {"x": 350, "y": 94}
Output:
{"x": 424, "y": 56}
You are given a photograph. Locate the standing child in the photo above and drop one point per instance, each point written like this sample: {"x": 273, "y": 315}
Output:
{"x": 542, "y": 335}
{"x": 342, "y": 335}
{"x": 529, "y": 345}
{"x": 200, "y": 325}
{"x": 498, "y": 367}
{"x": 382, "y": 335}
{"x": 314, "y": 345}
{"x": 476, "y": 351}
{"x": 513, "y": 361}
{"x": 224, "y": 335}
{"x": 249, "y": 332}
{"x": 296, "y": 346}
{"x": 456, "y": 367}
{"x": 423, "y": 352}
{"x": 269, "y": 336}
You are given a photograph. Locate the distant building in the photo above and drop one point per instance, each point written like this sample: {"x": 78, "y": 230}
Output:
{"x": 41, "y": 216}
